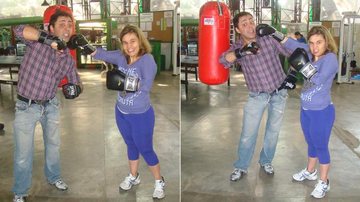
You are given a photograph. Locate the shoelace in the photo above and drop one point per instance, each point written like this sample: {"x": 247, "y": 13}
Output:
{"x": 321, "y": 187}
{"x": 237, "y": 171}
{"x": 304, "y": 174}
{"x": 269, "y": 168}
{"x": 129, "y": 180}
{"x": 159, "y": 185}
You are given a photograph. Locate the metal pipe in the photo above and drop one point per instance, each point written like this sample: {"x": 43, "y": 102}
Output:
{"x": 176, "y": 70}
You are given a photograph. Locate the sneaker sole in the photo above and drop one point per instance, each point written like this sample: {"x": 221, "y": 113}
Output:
{"x": 128, "y": 188}
{"x": 234, "y": 180}
{"x": 158, "y": 198}
{"x": 59, "y": 188}
{"x": 310, "y": 179}
{"x": 268, "y": 173}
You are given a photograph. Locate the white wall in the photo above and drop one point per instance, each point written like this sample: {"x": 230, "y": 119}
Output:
{"x": 24, "y": 8}
{"x": 332, "y": 9}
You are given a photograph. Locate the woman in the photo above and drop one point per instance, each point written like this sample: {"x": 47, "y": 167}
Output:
{"x": 317, "y": 110}
{"x": 134, "y": 114}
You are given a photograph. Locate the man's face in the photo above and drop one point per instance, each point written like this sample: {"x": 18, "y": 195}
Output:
{"x": 63, "y": 28}
{"x": 246, "y": 28}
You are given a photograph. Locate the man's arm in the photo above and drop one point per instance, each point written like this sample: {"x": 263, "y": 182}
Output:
{"x": 32, "y": 34}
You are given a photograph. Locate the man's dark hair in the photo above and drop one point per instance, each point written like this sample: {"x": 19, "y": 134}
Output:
{"x": 298, "y": 33}
{"x": 239, "y": 15}
{"x": 56, "y": 15}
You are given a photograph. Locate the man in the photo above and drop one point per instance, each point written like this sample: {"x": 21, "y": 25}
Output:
{"x": 46, "y": 62}
{"x": 267, "y": 83}
{"x": 299, "y": 37}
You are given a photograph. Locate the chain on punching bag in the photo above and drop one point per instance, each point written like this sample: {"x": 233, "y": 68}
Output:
{"x": 214, "y": 39}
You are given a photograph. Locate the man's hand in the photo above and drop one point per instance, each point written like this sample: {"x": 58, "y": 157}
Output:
{"x": 290, "y": 81}
{"x": 52, "y": 41}
{"x": 250, "y": 49}
{"x": 71, "y": 91}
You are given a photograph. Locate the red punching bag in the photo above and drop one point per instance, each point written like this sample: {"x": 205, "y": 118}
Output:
{"x": 214, "y": 39}
{"x": 46, "y": 20}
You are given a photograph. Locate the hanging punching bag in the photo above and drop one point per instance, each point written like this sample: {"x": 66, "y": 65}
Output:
{"x": 214, "y": 39}
{"x": 46, "y": 20}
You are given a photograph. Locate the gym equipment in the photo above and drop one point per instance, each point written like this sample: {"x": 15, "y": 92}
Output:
{"x": 346, "y": 55}
{"x": 214, "y": 39}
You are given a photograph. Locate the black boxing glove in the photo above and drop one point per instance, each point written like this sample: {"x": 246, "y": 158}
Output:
{"x": 250, "y": 49}
{"x": 300, "y": 61}
{"x": 117, "y": 80}
{"x": 79, "y": 41}
{"x": 265, "y": 29}
{"x": 47, "y": 39}
{"x": 71, "y": 91}
{"x": 290, "y": 81}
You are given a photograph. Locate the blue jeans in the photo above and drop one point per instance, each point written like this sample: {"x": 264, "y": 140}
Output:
{"x": 26, "y": 117}
{"x": 253, "y": 113}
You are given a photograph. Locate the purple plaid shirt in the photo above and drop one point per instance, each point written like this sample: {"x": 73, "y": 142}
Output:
{"x": 42, "y": 69}
{"x": 263, "y": 72}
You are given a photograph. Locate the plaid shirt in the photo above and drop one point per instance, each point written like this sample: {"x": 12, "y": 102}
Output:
{"x": 263, "y": 72}
{"x": 42, "y": 69}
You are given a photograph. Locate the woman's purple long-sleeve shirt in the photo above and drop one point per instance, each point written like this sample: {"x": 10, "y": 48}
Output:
{"x": 144, "y": 68}
{"x": 316, "y": 92}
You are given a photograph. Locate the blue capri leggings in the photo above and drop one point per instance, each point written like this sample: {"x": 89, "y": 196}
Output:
{"x": 137, "y": 131}
{"x": 317, "y": 125}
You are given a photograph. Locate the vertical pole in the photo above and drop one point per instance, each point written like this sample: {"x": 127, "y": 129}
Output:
{"x": 349, "y": 46}
{"x": 341, "y": 46}
{"x": 175, "y": 40}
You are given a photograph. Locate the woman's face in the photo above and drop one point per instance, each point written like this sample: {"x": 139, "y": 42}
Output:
{"x": 131, "y": 44}
{"x": 317, "y": 45}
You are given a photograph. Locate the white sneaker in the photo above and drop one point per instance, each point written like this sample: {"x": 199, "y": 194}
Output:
{"x": 129, "y": 181}
{"x": 304, "y": 174}
{"x": 159, "y": 189}
{"x": 320, "y": 189}
{"x": 18, "y": 198}
{"x": 60, "y": 185}
{"x": 237, "y": 174}
{"x": 268, "y": 169}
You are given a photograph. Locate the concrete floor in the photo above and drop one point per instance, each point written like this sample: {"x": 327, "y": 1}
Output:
{"x": 211, "y": 120}
{"x": 93, "y": 154}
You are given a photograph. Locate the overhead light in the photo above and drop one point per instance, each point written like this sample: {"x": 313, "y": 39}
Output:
{"x": 45, "y": 3}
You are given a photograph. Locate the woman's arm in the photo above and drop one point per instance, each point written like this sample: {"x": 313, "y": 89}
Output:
{"x": 113, "y": 57}
{"x": 291, "y": 44}
{"x": 148, "y": 73}
{"x": 328, "y": 69}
